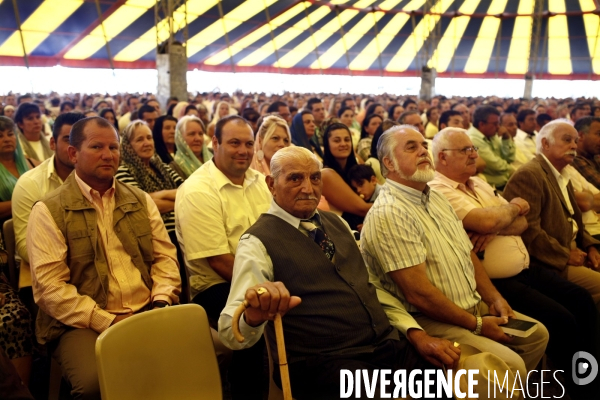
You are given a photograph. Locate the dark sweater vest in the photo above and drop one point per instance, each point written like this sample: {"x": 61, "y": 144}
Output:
{"x": 339, "y": 313}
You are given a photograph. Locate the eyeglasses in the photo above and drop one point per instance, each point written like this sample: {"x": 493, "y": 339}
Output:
{"x": 465, "y": 151}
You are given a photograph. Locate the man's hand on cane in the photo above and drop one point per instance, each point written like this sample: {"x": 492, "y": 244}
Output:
{"x": 267, "y": 299}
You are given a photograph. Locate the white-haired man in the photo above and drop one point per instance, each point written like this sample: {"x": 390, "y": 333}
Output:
{"x": 305, "y": 264}
{"x": 556, "y": 236}
{"x": 495, "y": 226}
{"x": 414, "y": 242}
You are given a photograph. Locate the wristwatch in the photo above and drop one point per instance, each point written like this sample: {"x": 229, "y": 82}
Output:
{"x": 477, "y": 330}
{"x": 160, "y": 304}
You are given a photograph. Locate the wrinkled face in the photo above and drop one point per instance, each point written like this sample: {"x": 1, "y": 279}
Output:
{"x": 31, "y": 124}
{"x": 168, "y": 131}
{"x": 340, "y": 143}
{"x": 372, "y": 126}
{"x": 276, "y": 142}
{"x": 143, "y": 143}
{"x": 194, "y": 136}
{"x": 411, "y": 158}
{"x": 415, "y": 120}
{"x": 347, "y": 118}
{"x": 309, "y": 124}
{"x": 234, "y": 154}
{"x": 490, "y": 126}
{"x": 8, "y": 142}
{"x": 510, "y": 123}
{"x": 528, "y": 125}
{"x": 298, "y": 187}
{"x": 590, "y": 142}
{"x": 98, "y": 159}
{"x": 458, "y": 160}
{"x": 564, "y": 149}
{"x": 150, "y": 118}
{"x": 318, "y": 110}
{"x": 365, "y": 188}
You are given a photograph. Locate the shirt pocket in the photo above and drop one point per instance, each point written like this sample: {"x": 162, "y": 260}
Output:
{"x": 80, "y": 243}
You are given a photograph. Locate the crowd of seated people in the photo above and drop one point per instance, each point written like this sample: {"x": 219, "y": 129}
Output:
{"x": 211, "y": 161}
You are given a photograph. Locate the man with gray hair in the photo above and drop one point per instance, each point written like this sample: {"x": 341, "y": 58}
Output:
{"x": 414, "y": 242}
{"x": 495, "y": 226}
{"x": 556, "y": 236}
{"x": 305, "y": 263}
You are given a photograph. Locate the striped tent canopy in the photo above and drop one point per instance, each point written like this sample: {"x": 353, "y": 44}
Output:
{"x": 459, "y": 38}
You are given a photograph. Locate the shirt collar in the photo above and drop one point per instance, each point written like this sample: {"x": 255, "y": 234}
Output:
{"x": 477, "y": 133}
{"x": 51, "y": 170}
{"x": 444, "y": 180}
{"x": 276, "y": 210}
{"x": 413, "y": 195}
{"x": 561, "y": 177}
{"x": 221, "y": 179}
{"x": 89, "y": 192}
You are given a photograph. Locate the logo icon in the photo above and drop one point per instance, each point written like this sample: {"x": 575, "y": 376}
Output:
{"x": 583, "y": 364}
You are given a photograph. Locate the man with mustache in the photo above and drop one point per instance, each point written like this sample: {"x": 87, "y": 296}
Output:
{"x": 495, "y": 226}
{"x": 213, "y": 208}
{"x": 414, "y": 242}
{"x": 304, "y": 263}
{"x": 556, "y": 237}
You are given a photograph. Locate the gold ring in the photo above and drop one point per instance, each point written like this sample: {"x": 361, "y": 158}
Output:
{"x": 456, "y": 344}
{"x": 261, "y": 290}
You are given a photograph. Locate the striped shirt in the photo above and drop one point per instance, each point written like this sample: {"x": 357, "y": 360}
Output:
{"x": 123, "y": 175}
{"x": 406, "y": 227}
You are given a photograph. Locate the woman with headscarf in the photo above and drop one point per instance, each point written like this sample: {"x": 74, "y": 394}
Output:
{"x": 192, "y": 151}
{"x": 272, "y": 136}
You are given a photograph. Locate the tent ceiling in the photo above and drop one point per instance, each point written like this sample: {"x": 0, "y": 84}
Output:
{"x": 460, "y": 38}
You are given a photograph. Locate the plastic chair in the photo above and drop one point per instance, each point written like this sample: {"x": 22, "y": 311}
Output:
{"x": 165, "y": 353}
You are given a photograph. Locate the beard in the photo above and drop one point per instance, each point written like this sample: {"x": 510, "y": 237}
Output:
{"x": 420, "y": 175}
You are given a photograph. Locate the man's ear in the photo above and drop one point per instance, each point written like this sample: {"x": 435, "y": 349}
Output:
{"x": 72, "y": 151}
{"x": 52, "y": 143}
{"x": 389, "y": 165}
{"x": 373, "y": 179}
{"x": 270, "y": 184}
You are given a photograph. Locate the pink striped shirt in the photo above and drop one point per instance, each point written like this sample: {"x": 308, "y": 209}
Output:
{"x": 127, "y": 292}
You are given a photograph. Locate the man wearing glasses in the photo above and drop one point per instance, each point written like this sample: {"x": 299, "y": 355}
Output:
{"x": 494, "y": 226}
{"x": 497, "y": 153}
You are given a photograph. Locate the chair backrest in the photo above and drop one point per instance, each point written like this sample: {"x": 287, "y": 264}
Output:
{"x": 10, "y": 245}
{"x": 166, "y": 353}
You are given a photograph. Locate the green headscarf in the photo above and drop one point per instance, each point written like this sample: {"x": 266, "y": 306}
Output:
{"x": 185, "y": 157}
{"x": 8, "y": 180}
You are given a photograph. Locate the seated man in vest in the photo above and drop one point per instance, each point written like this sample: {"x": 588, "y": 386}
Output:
{"x": 556, "y": 237}
{"x": 333, "y": 319}
{"x": 414, "y": 242}
{"x": 99, "y": 253}
{"x": 495, "y": 227}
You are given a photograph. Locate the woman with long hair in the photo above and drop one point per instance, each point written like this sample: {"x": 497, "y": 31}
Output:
{"x": 369, "y": 127}
{"x": 303, "y": 130}
{"x": 272, "y": 136}
{"x": 222, "y": 110}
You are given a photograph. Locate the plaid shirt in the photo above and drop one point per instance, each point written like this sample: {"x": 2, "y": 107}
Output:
{"x": 589, "y": 167}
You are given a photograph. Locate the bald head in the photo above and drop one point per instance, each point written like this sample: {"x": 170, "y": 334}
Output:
{"x": 454, "y": 154}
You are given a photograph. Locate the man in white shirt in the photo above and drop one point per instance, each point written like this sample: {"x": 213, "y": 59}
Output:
{"x": 525, "y": 138}
{"x": 213, "y": 208}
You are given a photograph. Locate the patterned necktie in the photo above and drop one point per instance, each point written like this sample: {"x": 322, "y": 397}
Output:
{"x": 320, "y": 238}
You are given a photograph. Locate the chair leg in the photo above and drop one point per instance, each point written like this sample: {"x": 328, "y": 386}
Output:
{"x": 55, "y": 380}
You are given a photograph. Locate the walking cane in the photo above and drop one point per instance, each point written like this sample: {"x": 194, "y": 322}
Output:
{"x": 283, "y": 366}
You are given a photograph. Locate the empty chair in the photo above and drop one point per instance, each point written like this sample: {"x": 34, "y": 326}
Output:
{"x": 161, "y": 354}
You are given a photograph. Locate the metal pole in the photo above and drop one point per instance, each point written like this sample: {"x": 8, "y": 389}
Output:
{"x": 312, "y": 36}
{"x": 226, "y": 37}
{"x": 110, "y": 59}
{"x": 498, "y": 44}
{"x": 377, "y": 43}
{"x": 343, "y": 35}
{"x": 272, "y": 35}
{"x": 18, "y": 19}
